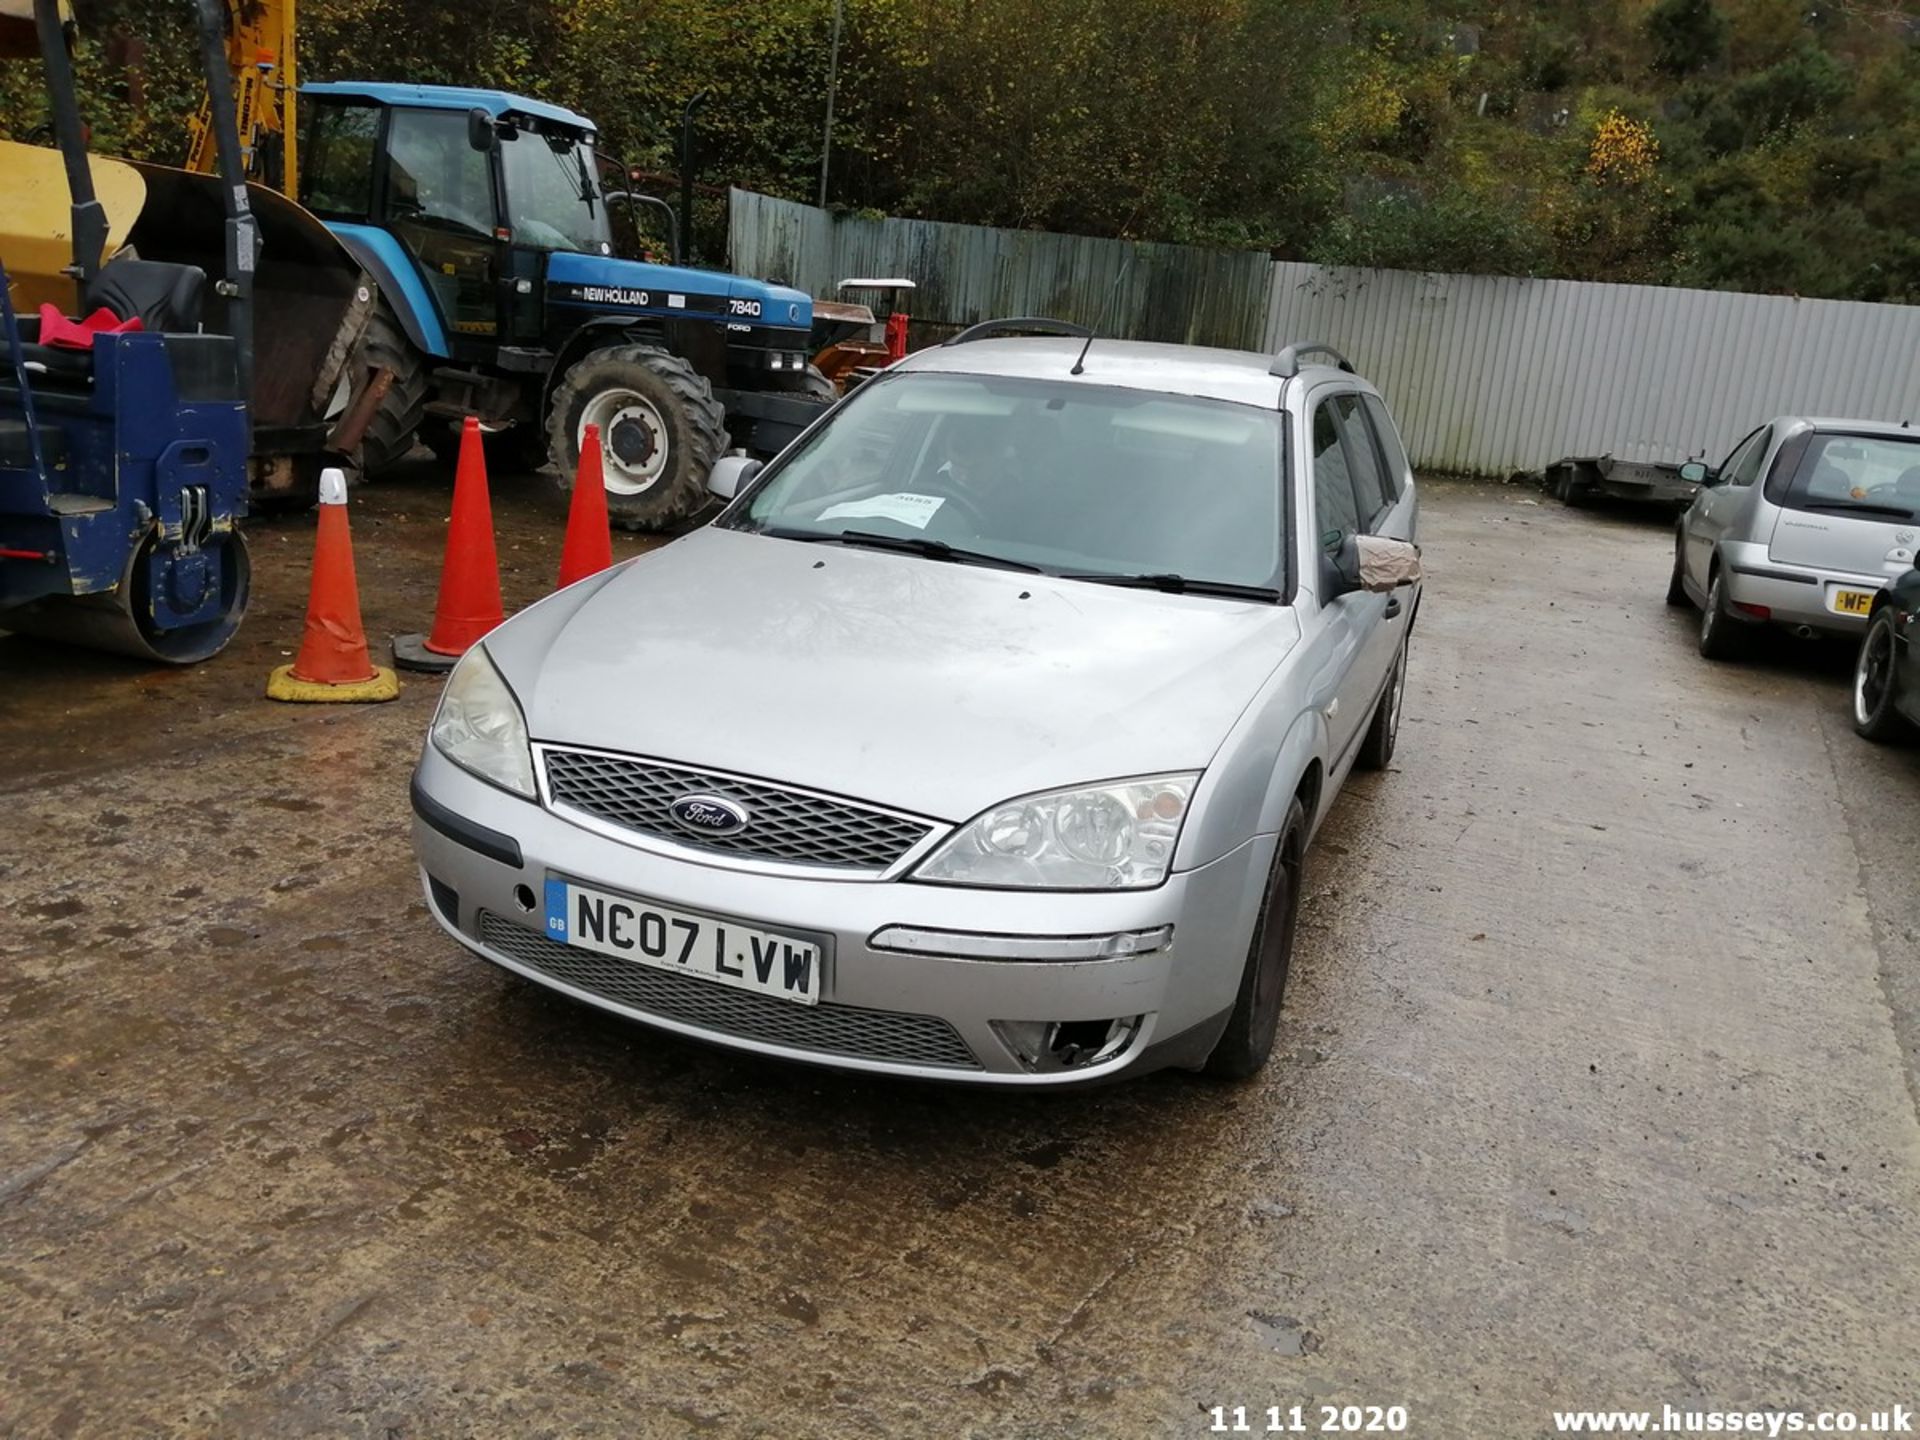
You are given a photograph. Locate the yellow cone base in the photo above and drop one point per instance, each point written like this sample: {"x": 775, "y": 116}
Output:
{"x": 384, "y": 685}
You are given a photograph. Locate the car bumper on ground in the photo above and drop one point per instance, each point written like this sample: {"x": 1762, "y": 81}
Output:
{"x": 486, "y": 856}
{"x": 1795, "y": 595}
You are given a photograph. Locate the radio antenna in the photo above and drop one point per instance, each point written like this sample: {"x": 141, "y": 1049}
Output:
{"x": 1080, "y": 364}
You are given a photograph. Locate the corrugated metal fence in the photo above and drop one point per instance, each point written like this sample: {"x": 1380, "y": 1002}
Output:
{"x": 1489, "y": 375}
{"x": 967, "y": 273}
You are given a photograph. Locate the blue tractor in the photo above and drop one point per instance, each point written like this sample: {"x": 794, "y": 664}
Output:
{"x": 485, "y": 220}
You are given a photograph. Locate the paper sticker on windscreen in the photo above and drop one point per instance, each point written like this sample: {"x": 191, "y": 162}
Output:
{"x": 904, "y": 506}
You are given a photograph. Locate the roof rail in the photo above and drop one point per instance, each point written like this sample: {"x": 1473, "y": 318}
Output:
{"x": 1019, "y": 325}
{"x": 1287, "y": 363}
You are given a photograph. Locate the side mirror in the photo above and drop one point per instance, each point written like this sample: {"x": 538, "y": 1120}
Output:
{"x": 1386, "y": 564}
{"x": 1372, "y": 563}
{"x": 1694, "y": 473}
{"x": 480, "y": 129}
{"x": 730, "y": 474}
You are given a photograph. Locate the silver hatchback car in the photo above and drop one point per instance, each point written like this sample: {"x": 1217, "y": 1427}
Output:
{"x": 1800, "y": 527}
{"x": 980, "y": 738}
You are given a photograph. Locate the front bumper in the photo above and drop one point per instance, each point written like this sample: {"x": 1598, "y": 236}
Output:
{"x": 1795, "y": 594}
{"x": 924, "y": 1016}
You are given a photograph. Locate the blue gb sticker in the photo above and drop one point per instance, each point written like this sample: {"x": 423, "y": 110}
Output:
{"x": 557, "y": 910}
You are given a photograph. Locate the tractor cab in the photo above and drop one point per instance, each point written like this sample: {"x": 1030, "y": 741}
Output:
{"x": 486, "y": 222}
{"x": 459, "y": 200}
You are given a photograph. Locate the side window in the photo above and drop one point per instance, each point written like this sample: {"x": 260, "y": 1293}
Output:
{"x": 1743, "y": 466}
{"x": 336, "y": 154}
{"x": 1388, "y": 434}
{"x": 434, "y": 176}
{"x": 1363, "y": 458}
{"x": 1336, "y": 514}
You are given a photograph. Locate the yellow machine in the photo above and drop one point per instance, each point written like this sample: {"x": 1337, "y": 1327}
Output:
{"x": 260, "y": 57}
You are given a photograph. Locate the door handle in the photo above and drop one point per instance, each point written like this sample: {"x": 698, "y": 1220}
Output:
{"x": 1393, "y": 606}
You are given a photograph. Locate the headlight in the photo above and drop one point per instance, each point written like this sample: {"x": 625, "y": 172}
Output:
{"x": 479, "y": 727}
{"x": 1102, "y": 837}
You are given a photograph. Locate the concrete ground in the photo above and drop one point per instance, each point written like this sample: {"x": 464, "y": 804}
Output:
{"x": 1596, "y": 1083}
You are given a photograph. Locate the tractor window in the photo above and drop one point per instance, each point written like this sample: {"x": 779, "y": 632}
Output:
{"x": 336, "y": 176}
{"x": 434, "y": 177}
{"x": 553, "y": 192}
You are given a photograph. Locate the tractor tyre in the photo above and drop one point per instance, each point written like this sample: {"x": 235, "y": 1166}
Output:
{"x": 396, "y": 424}
{"x": 660, "y": 432}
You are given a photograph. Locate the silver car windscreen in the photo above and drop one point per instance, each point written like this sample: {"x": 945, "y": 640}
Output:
{"x": 1068, "y": 477}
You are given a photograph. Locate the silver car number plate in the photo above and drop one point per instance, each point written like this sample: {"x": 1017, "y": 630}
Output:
{"x": 784, "y": 966}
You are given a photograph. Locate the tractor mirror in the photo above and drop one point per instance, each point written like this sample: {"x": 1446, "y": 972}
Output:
{"x": 480, "y": 129}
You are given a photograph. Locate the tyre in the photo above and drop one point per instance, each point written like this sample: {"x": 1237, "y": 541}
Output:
{"x": 391, "y": 432}
{"x": 660, "y": 432}
{"x": 1243, "y": 1047}
{"x": 817, "y": 385}
{"x": 1676, "y": 582}
{"x": 1376, "y": 750}
{"x": 1876, "y": 681}
{"x": 1721, "y": 636}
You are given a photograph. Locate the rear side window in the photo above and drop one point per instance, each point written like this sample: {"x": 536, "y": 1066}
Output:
{"x": 1388, "y": 434}
{"x": 336, "y": 155}
{"x": 1877, "y": 476}
{"x": 1363, "y": 459}
{"x": 1336, "y": 513}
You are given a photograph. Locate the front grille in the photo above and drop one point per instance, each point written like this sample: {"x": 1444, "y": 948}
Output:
{"x": 824, "y": 1029}
{"x": 784, "y": 825}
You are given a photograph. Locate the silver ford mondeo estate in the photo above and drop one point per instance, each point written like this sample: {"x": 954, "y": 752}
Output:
{"x": 980, "y": 737}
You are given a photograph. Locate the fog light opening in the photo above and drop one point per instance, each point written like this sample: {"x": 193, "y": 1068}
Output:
{"x": 1050, "y": 1046}
{"x": 445, "y": 899}
{"x": 523, "y": 897}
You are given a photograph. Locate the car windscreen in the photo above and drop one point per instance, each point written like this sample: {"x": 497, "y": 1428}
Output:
{"x": 1065, "y": 477}
{"x": 1876, "y": 476}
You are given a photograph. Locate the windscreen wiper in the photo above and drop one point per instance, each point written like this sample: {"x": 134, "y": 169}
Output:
{"x": 911, "y": 544}
{"x": 1858, "y": 507}
{"x": 1180, "y": 585}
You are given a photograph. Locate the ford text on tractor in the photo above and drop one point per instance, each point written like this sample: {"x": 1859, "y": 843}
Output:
{"x": 483, "y": 219}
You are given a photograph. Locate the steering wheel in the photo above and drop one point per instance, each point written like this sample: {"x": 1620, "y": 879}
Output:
{"x": 968, "y": 513}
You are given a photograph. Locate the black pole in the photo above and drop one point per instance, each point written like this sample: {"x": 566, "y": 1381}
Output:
{"x": 89, "y": 217}
{"x": 242, "y": 250}
{"x": 684, "y": 251}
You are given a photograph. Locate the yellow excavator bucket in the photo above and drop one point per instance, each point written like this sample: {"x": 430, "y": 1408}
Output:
{"x": 36, "y": 223}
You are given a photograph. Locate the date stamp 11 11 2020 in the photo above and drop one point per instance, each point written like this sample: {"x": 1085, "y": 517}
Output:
{"x": 1307, "y": 1419}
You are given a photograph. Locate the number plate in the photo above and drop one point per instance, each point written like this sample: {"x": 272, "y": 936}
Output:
{"x": 1853, "y": 602}
{"x": 784, "y": 966}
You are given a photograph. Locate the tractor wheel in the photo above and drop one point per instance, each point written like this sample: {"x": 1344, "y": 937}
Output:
{"x": 818, "y": 386}
{"x": 812, "y": 383}
{"x": 397, "y": 422}
{"x": 660, "y": 432}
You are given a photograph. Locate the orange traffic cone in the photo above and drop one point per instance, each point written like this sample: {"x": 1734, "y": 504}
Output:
{"x": 333, "y": 664}
{"x": 589, "y": 546}
{"x": 469, "y": 603}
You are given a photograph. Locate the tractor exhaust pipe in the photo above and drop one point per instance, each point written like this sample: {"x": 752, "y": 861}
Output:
{"x": 683, "y": 246}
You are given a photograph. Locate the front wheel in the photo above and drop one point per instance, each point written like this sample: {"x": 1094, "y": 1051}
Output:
{"x": 1243, "y": 1047}
{"x": 660, "y": 432}
{"x": 1876, "y": 680}
{"x": 1677, "y": 582}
